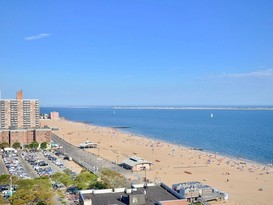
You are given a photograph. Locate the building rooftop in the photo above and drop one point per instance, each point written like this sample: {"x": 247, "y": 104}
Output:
{"x": 136, "y": 159}
{"x": 206, "y": 192}
{"x": 152, "y": 195}
{"x": 132, "y": 161}
{"x": 174, "y": 202}
{"x": 157, "y": 193}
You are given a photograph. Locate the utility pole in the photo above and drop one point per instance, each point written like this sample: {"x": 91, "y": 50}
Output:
{"x": 10, "y": 188}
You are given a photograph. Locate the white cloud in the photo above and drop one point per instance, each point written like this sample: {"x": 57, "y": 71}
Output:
{"x": 38, "y": 36}
{"x": 266, "y": 73}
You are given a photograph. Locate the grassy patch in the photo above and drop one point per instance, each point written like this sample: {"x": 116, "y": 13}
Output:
{"x": 60, "y": 194}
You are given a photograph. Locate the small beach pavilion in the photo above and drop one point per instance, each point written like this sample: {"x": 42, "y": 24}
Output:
{"x": 136, "y": 164}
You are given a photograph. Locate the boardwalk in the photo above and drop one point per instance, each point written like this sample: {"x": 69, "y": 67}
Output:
{"x": 92, "y": 162}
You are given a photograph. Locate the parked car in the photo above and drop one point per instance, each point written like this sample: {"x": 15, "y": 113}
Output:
{"x": 68, "y": 158}
{"x": 72, "y": 190}
{"x": 58, "y": 185}
{"x": 42, "y": 163}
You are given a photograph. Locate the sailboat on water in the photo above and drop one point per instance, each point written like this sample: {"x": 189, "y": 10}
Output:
{"x": 211, "y": 115}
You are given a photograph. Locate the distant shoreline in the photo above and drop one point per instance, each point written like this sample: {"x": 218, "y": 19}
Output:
{"x": 195, "y": 108}
{"x": 167, "y": 107}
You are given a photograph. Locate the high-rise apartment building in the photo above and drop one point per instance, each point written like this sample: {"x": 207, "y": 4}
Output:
{"x": 19, "y": 120}
{"x": 15, "y": 114}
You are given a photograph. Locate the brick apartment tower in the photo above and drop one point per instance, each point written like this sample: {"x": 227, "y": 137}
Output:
{"x": 19, "y": 121}
{"x": 19, "y": 95}
{"x": 19, "y": 113}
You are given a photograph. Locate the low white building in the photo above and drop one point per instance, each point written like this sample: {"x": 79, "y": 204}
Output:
{"x": 136, "y": 164}
{"x": 88, "y": 144}
{"x": 196, "y": 190}
{"x": 10, "y": 150}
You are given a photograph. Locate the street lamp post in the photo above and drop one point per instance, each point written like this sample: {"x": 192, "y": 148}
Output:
{"x": 85, "y": 144}
{"x": 145, "y": 179}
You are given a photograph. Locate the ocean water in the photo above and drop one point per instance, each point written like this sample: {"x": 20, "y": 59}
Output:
{"x": 245, "y": 134}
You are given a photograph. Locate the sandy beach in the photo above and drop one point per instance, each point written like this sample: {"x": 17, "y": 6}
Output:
{"x": 245, "y": 182}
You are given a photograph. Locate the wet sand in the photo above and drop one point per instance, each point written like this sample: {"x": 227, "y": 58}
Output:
{"x": 245, "y": 182}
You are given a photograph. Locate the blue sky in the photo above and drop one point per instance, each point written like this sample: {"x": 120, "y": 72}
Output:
{"x": 188, "y": 52}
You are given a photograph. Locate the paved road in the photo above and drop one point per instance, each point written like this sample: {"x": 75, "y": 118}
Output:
{"x": 3, "y": 169}
{"x": 92, "y": 162}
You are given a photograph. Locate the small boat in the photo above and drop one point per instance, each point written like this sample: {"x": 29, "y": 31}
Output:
{"x": 211, "y": 115}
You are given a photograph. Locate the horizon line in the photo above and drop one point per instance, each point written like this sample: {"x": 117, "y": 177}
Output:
{"x": 200, "y": 107}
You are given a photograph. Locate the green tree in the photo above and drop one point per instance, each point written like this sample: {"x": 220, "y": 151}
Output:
{"x": 63, "y": 178}
{"x": 99, "y": 185}
{"x": 26, "y": 146}
{"x": 113, "y": 179}
{"x": 5, "y": 179}
{"x": 4, "y": 145}
{"x": 67, "y": 171}
{"x": 25, "y": 184}
{"x": 34, "y": 145}
{"x": 85, "y": 179}
{"x": 42, "y": 190}
{"x": 21, "y": 197}
{"x": 16, "y": 145}
{"x": 33, "y": 191}
{"x": 43, "y": 145}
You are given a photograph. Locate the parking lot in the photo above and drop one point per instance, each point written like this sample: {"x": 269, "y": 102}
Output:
{"x": 15, "y": 165}
{"x": 31, "y": 164}
{"x": 28, "y": 164}
{"x": 45, "y": 163}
